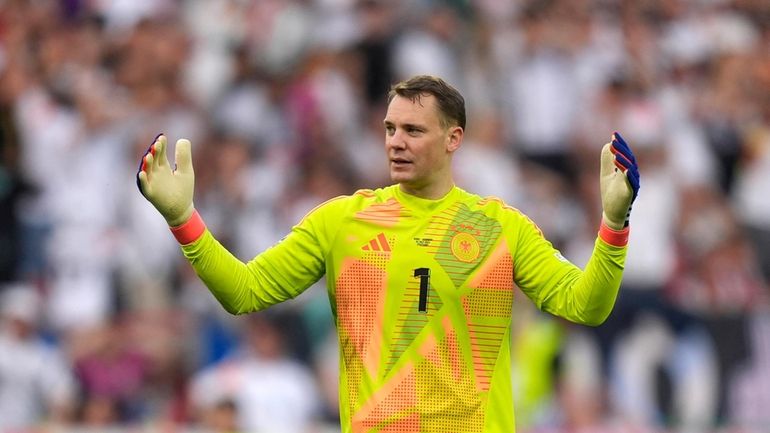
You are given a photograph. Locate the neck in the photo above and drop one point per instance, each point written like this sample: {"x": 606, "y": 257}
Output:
{"x": 429, "y": 192}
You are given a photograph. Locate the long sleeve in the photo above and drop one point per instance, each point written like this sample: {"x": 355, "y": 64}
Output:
{"x": 561, "y": 288}
{"x": 279, "y": 273}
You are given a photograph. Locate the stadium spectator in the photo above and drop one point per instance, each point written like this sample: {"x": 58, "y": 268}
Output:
{"x": 259, "y": 388}
{"x": 84, "y": 83}
{"x": 36, "y": 381}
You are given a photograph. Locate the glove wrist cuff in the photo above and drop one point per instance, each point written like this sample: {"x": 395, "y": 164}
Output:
{"x": 189, "y": 231}
{"x": 616, "y": 238}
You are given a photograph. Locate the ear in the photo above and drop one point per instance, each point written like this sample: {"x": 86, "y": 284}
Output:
{"x": 454, "y": 138}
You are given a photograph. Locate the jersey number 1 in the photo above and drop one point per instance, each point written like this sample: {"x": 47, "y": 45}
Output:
{"x": 424, "y": 275}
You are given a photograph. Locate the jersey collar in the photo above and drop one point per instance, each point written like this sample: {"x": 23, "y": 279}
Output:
{"x": 424, "y": 205}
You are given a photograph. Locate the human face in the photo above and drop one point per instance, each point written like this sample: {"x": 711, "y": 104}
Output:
{"x": 419, "y": 147}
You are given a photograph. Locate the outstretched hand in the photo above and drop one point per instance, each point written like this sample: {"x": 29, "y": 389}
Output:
{"x": 619, "y": 182}
{"x": 169, "y": 190}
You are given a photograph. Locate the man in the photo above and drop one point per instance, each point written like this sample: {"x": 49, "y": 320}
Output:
{"x": 36, "y": 381}
{"x": 420, "y": 274}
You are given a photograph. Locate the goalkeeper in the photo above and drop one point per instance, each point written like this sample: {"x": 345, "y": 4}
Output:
{"x": 421, "y": 274}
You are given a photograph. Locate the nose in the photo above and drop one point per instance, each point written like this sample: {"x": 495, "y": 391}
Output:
{"x": 395, "y": 141}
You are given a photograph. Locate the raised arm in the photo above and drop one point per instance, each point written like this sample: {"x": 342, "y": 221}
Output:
{"x": 278, "y": 274}
{"x": 557, "y": 286}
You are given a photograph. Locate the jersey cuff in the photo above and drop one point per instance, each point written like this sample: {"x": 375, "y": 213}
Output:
{"x": 616, "y": 238}
{"x": 189, "y": 232}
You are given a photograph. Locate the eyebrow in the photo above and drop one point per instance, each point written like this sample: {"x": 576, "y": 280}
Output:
{"x": 405, "y": 125}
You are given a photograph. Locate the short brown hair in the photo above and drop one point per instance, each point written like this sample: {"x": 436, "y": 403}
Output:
{"x": 451, "y": 103}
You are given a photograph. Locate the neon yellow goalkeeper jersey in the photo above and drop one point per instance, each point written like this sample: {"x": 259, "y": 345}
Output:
{"x": 421, "y": 292}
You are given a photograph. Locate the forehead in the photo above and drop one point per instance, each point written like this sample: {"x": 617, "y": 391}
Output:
{"x": 422, "y": 110}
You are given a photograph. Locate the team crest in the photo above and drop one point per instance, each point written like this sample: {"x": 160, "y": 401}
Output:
{"x": 465, "y": 247}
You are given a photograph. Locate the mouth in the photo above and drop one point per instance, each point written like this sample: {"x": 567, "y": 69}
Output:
{"x": 399, "y": 162}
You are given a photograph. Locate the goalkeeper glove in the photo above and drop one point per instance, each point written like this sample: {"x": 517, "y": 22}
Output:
{"x": 170, "y": 191}
{"x": 619, "y": 182}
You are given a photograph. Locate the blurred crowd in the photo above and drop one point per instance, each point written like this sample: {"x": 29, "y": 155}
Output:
{"x": 104, "y": 324}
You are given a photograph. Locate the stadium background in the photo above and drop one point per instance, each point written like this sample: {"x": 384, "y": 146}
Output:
{"x": 105, "y": 326}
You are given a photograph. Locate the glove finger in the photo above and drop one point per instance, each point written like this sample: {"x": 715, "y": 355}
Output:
{"x": 607, "y": 161}
{"x": 150, "y": 163}
{"x": 633, "y": 179}
{"x": 183, "y": 156}
{"x": 622, "y": 162}
{"x": 619, "y": 152}
{"x": 150, "y": 149}
{"x": 143, "y": 183}
{"x": 619, "y": 144}
{"x": 139, "y": 171}
{"x": 142, "y": 161}
{"x": 161, "y": 143}
{"x": 619, "y": 165}
{"x": 634, "y": 174}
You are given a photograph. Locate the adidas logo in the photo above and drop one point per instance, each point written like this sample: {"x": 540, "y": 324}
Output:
{"x": 380, "y": 243}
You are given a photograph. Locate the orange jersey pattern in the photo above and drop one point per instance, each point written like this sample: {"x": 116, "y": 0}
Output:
{"x": 422, "y": 293}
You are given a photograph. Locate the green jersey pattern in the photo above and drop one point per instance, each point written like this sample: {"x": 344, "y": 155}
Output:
{"x": 422, "y": 294}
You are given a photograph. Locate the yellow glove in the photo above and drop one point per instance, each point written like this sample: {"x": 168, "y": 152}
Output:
{"x": 619, "y": 182}
{"x": 170, "y": 191}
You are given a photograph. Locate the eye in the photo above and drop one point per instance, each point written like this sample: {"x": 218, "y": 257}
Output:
{"x": 413, "y": 131}
{"x": 390, "y": 130}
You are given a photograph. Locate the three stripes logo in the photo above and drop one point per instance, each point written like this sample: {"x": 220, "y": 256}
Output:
{"x": 379, "y": 243}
